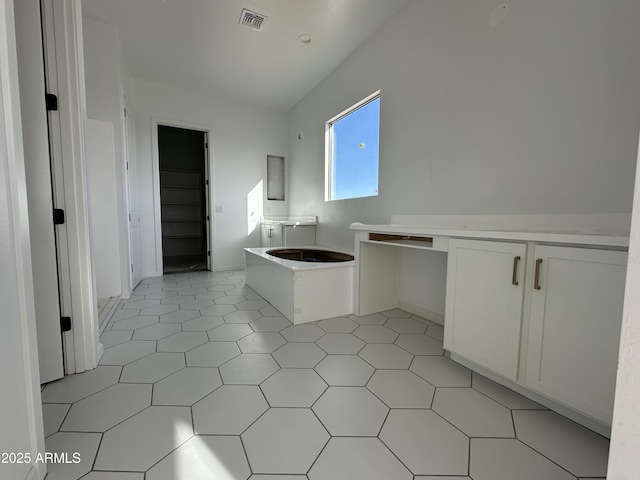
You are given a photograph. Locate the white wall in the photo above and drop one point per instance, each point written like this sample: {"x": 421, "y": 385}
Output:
{"x": 241, "y": 138}
{"x": 21, "y": 412}
{"x": 101, "y": 184}
{"x": 536, "y": 115}
{"x": 103, "y": 61}
{"x": 539, "y": 114}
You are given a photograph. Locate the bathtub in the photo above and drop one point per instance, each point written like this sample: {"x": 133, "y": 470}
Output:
{"x": 303, "y": 291}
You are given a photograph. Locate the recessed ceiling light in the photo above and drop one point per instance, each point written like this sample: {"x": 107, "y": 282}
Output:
{"x": 304, "y": 38}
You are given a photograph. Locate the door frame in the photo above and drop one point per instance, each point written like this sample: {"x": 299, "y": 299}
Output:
{"x": 64, "y": 60}
{"x": 209, "y": 190}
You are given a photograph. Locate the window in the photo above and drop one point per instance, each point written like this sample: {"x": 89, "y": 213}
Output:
{"x": 352, "y": 151}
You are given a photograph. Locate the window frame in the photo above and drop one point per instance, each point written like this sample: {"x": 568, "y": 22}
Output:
{"x": 328, "y": 149}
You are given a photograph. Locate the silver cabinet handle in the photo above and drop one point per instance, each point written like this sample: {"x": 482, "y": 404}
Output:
{"x": 514, "y": 278}
{"x": 536, "y": 282}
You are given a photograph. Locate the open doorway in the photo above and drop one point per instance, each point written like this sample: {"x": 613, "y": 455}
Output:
{"x": 183, "y": 198}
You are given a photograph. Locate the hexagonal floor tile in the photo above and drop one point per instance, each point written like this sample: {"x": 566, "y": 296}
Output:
{"x": 212, "y": 354}
{"x": 107, "y": 408}
{"x": 572, "y": 446}
{"x": 242, "y": 316}
{"x": 255, "y": 304}
{"x": 351, "y": 412}
{"x": 230, "y": 410}
{"x": 420, "y": 344}
{"x": 293, "y": 387}
{"x": 498, "y": 459}
{"x": 386, "y": 356}
{"x": 261, "y": 342}
{"x": 196, "y": 304}
{"x": 140, "y": 304}
{"x": 230, "y": 300}
{"x": 113, "y": 476}
{"x": 209, "y": 295}
{"x": 186, "y": 386}
{"x": 135, "y": 323}
{"x": 405, "y": 325}
{"x": 180, "y": 316}
{"x": 441, "y": 371}
{"x": 127, "y": 352}
{"x": 159, "y": 310}
{"x": 217, "y": 310}
{"x": 112, "y": 337}
{"x": 345, "y": 370}
{"x": 72, "y": 388}
{"x": 436, "y": 331}
{"x": 178, "y": 299}
{"x": 229, "y": 333}
{"x": 372, "y": 319}
{"x": 202, "y": 324}
{"x": 284, "y": 440}
{"x": 156, "y": 331}
{"x": 154, "y": 432}
{"x": 248, "y": 369}
{"x": 203, "y": 458}
{"x": 182, "y": 342}
{"x": 401, "y": 389}
{"x": 302, "y": 333}
{"x": 123, "y": 315}
{"x": 426, "y": 443}
{"x": 53, "y": 414}
{"x": 340, "y": 343}
{"x": 473, "y": 413}
{"x": 338, "y": 325}
{"x": 299, "y": 355}
{"x": 357, "y": 459}
{"x": 270, "y": 324}
{"x": 66, "y": 443}
{"x": 376, "y": 334}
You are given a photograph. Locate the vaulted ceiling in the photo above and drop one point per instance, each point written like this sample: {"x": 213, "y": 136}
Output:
{"x": 199, "y": 45}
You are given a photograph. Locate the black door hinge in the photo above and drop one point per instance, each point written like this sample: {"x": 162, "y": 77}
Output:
{"x": 58, "y": 216}
{"x": 51, "y": 102}
{"x": 209, "y": 253}
{"x": 65, "y": 324}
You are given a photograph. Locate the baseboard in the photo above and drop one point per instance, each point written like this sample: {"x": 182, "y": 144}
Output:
{"x": 99, "y": 353}
{"x": 224, "y": 268}
{"x": 35, "y": 473}
{"x": 421, "y": 312}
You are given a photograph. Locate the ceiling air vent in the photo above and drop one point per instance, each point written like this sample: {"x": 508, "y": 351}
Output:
{"x": 252, "y": 19}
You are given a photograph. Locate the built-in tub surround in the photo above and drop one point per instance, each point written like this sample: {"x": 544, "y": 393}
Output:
{"x": 302, "y": 291}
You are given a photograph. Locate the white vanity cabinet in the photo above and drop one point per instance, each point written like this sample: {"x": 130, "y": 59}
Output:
{"x": 483, "y": 312}
{"x": 574, "y": 327}
{"x": 271, "y": 235}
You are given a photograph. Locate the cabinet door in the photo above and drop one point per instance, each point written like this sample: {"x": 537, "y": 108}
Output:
{"x": 574, "y": 332}
{"x": 265, "y": 235}
{"x": 483, "y": 313}
{"x": 276, "y": 236}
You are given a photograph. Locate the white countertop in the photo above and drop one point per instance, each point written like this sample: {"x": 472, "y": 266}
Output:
{"x": 606, "y": 236}
{"x": 287, "y": 221}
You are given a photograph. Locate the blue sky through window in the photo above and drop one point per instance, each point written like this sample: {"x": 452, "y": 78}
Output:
{"x": 355, "y": 153}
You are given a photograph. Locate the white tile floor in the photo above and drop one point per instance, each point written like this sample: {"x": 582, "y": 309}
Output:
{"x": 203, "y": 379}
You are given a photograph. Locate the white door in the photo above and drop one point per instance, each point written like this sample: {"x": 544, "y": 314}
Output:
{"x": 39, "y": 196}
{"x": 574, "y": 332}
{"x": 483, "y": 313}
{"x": 132, "y": 197}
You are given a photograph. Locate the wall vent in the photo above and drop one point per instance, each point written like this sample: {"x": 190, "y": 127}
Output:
{"x": 251, "y": 19}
